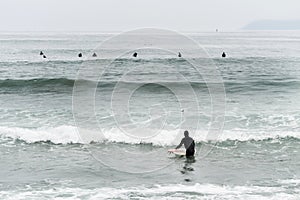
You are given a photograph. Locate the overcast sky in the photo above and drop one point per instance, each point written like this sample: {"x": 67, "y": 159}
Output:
{"x": 121, "y": 15}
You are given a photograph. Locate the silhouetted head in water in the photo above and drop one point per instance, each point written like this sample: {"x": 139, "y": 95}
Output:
{"x": 223, "y": 54}
{"x": 135, "y": 54}
{"x": 44, "y": 56}
{"x": 80, "y": 55}
{"x": 186, "y": 134}
{"x": 94, "y": 55}
{"x": 41, "y": 53}
{"x": 179, "y": 54}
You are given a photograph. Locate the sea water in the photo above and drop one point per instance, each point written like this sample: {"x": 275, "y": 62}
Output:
{"x": 45, "y": 156}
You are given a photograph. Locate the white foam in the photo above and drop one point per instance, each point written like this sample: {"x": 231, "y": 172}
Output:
{"x": 172, "y": 191}
{"x": 62, "y": 134}
{"x": 245, "y": 135}
{"x": 290, "y": 182}
{"x": 69, "y": 134}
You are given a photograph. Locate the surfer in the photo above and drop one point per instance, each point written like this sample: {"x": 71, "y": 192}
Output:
{"x": 135, "y": 54}
{"x": 189, "y": 144}
{"x": 179, "y": 54}
{"x": 223, "y": 55}
{"x": 80, "y": 55}
{"x": 94, "y": 55}
{"x": 41, "y": 53}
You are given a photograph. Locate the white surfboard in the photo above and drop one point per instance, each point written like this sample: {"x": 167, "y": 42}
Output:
{"x": 178, "y": 152}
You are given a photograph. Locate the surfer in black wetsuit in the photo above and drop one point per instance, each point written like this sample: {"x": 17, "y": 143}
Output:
{"x": 189, "y": 144}
{"x": 223, "y": 55}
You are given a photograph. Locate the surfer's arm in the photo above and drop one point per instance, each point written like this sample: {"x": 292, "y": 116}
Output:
{"x": 181, "y": 143}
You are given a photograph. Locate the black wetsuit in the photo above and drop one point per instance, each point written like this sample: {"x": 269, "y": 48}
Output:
{"x": 189, "y": 145}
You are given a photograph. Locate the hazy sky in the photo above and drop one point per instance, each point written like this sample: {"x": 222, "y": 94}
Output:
{"x": 121, "y": 15}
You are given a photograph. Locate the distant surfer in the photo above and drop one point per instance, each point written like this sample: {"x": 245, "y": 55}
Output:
{"x": 94, "y": 55}
{"x": 80, "y": 55}
{"x": 188, "y": 143}
{"x": 135, "y": 54}
{"x": 179, "y": 54}
{"x": 41, "y": 53}
{"x": 44, "y": 56}
{"x": 223, "y": 55}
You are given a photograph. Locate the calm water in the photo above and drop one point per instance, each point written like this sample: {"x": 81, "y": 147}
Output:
{"x": 125, "y": 156}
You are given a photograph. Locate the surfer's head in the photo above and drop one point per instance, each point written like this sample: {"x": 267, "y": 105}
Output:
{"x": 186, "y": 134}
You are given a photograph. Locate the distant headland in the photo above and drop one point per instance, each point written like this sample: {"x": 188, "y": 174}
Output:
{"x": 273, "y": 25}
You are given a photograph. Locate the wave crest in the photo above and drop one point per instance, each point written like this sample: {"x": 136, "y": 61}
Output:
{"x": 69, "y": 135}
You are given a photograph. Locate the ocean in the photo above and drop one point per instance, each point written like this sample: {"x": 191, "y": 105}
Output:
{"x": 100, "y": 127}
